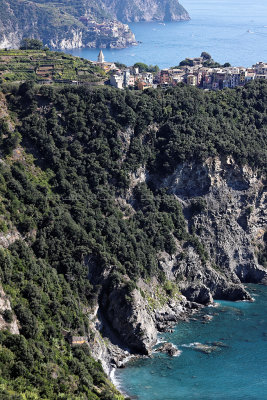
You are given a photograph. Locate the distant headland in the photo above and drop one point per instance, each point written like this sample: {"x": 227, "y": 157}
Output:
{"x": 81, "y": 25}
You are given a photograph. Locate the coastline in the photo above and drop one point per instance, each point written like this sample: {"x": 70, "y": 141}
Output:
{"x": 166, "y": 45}
{"x": 205, "y": 348}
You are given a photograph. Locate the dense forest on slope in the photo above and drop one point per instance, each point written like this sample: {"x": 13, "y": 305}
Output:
{"x": 67, "y": 155}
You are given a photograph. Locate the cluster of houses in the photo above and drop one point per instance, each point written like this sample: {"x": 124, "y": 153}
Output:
{"x": 194, "y": 74}
{"x": 107, "y": 33}
{"x": 212, "y": 78}
{"x": 107, "y": 28}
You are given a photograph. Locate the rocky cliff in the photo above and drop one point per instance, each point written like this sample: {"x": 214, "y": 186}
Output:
{"x": 66, "y": 25}
{"x": 123, "y": 213}
{"x": 225, "y": 209}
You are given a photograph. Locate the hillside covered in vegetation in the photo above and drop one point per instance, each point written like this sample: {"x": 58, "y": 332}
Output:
{"x": 74, "y": 226}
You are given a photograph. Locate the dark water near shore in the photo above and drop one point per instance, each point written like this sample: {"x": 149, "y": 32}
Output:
{"x": 235, "y": 372}
{"x": 230, "y": 30}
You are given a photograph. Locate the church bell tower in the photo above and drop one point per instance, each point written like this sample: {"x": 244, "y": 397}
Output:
{"x": 101, "y": 58}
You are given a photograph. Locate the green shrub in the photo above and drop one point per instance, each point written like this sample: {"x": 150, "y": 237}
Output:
{"x": 8, "y": 316}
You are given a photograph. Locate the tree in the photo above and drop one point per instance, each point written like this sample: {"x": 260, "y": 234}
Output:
{"x": 142, "y": 67}
{"x": 8, "y": 316}
{"x": 146, "y": 68}
{"x": 185, "y": 62}
{"x": 205, "y": 55}
{"x": 31, "y": 44}
{"x": 120, "y": 65}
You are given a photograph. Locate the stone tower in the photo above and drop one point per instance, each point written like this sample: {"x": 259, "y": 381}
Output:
{"x": 101, "y": 58}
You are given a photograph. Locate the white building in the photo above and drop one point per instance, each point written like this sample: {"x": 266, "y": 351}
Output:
{"x": 148, "y": 77}
{"x": 116, "y": 80}
{"x": 260, "y": 68}
{"x": 126, "y": 77}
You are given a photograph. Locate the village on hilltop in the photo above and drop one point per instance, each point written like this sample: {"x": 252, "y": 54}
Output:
{"x": 49, "y": 67}
{"x": 194, "y": 73}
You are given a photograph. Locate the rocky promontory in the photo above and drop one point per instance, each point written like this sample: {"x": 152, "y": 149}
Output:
{"x": 224, "y": 204}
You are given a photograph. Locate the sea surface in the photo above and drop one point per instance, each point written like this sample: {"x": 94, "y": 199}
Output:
{"x": 232, "y": 31}
{"x": 237, "y": 371}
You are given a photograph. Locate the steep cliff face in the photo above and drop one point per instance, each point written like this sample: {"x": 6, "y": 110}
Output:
{"x": 233, "y": 219}
{"x": 225, "y": 208}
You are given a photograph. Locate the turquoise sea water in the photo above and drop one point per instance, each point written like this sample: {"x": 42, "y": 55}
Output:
{"x": 235, "y": 372}
{"x": 230, "y": 30}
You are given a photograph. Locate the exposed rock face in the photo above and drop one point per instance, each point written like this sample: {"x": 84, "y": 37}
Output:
{"x": 11, "y": 325}
{"x": 6, "y": 239}
{"x": 131, "y": 320}
{"x": 168, "y": 348}
{"x": 201, "y": 283}
{"x": 109, "y": 350}
{"x": 130, "y": 325}
{"x": 225, "y": 207}
{"x": 231, "y": 225}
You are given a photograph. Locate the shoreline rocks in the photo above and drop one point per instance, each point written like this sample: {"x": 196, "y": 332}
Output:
{"x": 169, "y": 349}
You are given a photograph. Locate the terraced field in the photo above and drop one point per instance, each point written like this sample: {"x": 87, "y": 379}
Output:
{"x": 47, "y": 67}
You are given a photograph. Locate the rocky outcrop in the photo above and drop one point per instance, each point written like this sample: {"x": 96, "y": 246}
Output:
{"x": 204, "y": 348}
{"x": 169, "y": 349}
{"x": 7, "y": 318}
{"x": 230, "y": 225}
{"x": 131, "y": 320}
{"x": 105, "y": 346}
{"x": 6, "y": 239}
{"x": 129, "y": 325}
{"x": 201, "y": 282}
